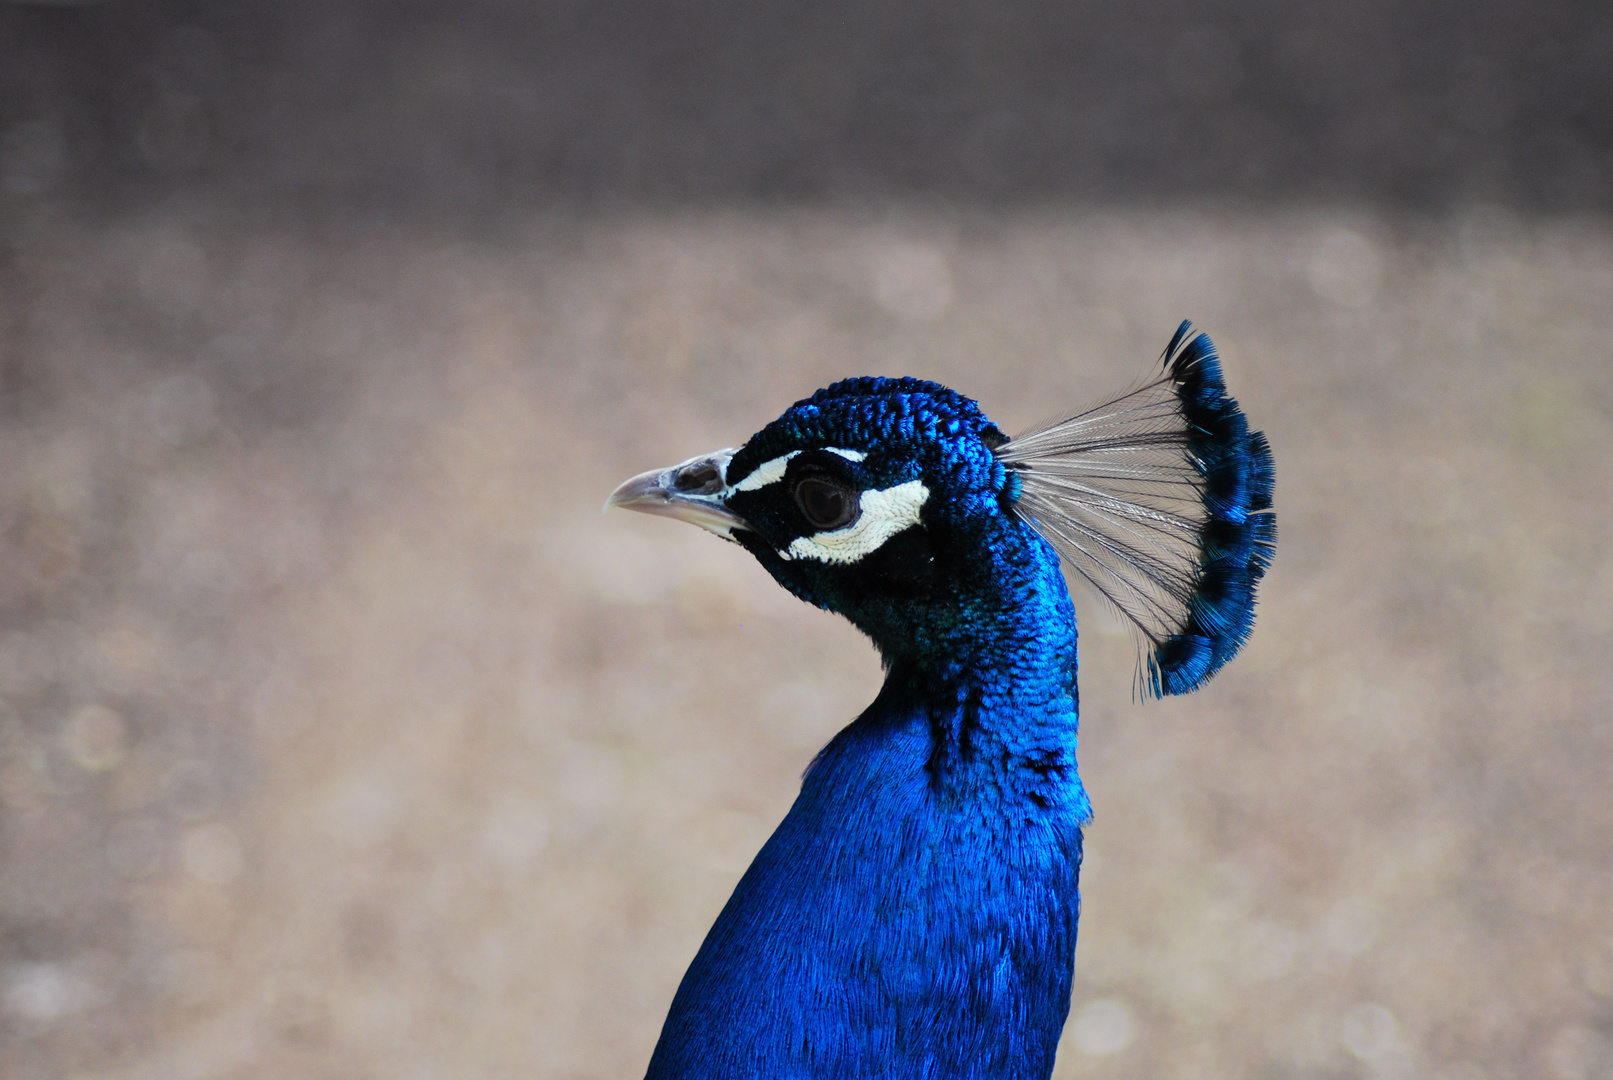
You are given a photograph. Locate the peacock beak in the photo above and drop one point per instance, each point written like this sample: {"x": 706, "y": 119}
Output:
{"x": 695, "y": 491}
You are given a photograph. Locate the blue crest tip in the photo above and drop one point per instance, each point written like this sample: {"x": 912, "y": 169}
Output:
{"x": 1239, "y": 536}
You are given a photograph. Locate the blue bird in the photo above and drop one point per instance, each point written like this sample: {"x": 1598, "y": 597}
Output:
{"x": 914, "y": 915}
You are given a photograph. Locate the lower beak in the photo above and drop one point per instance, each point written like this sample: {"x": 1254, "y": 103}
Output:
{"x": 695, "y": 491}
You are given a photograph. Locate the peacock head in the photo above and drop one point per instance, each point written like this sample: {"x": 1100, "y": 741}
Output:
{"x": 898, "y": 504}
{"x": 880, "y": 499}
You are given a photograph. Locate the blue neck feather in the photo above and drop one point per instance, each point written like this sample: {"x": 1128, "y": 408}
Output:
{"x": 915, "y": 913}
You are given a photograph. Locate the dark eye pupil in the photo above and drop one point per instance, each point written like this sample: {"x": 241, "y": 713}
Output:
{"x": 823, "y": 503}
{"x": 826, "y": 505}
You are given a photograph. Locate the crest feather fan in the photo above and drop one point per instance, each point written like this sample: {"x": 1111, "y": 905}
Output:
{"x": 1160, "y": 499}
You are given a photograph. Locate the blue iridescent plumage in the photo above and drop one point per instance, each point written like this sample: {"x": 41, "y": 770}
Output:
{"x": 915, "y": 913}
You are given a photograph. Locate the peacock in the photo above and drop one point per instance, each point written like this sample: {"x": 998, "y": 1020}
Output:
{"x": 915, "y": 913}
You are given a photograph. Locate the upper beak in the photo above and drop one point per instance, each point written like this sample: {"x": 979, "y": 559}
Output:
{"x": 695, "y": 491}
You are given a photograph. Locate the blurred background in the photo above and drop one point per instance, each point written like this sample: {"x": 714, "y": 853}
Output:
{"x": 341, "y": 738}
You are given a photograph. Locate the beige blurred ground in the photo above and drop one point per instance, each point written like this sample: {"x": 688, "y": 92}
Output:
{"x": 343, "y": 738}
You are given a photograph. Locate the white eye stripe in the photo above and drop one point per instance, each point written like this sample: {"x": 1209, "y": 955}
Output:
{"x": 884, "y": 514}
{"x": 771, "y": 472}
{"x": 768, "y": 472}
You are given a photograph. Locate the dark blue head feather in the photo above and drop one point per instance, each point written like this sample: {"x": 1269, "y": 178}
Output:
{"x": 929, "y": 593}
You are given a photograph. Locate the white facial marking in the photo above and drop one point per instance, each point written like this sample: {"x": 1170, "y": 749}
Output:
{"x": 771, "y": 472}
{"x": 884, "y": 514}
{"x": 768, "y": 472}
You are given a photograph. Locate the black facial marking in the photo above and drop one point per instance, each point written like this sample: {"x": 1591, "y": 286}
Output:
{"x": 904, "y": 565}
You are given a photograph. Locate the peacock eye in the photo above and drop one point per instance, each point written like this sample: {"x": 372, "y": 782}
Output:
{"x": 826, "y": 504}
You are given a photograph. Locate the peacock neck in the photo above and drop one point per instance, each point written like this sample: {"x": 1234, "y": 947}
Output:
{"x": 1000, "y": 686}
{"x": 915, "y": 913}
